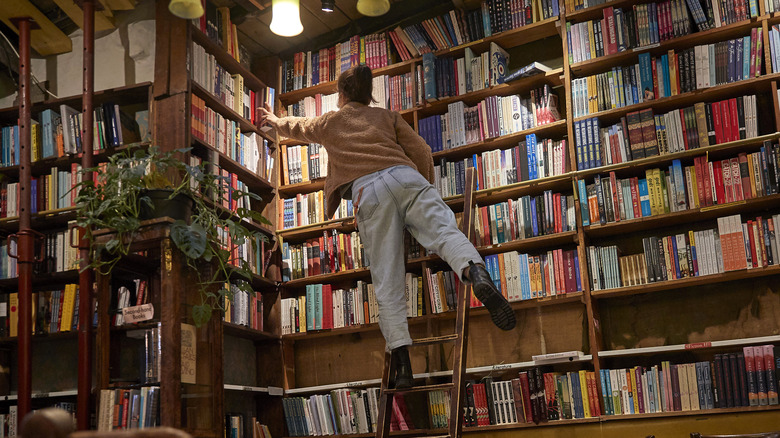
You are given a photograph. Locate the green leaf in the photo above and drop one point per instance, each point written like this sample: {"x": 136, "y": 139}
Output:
{"x": 201, "y": 314}
{"x": 190, "y": 239}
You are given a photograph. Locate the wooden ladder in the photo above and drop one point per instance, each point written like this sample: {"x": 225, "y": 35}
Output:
{"x": 459, "y": 338}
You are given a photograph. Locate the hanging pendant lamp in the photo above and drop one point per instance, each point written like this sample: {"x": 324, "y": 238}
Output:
{"x": 286, "y": 18}
{"x": 187, "y": 9}
{"x": 373, "y": 8}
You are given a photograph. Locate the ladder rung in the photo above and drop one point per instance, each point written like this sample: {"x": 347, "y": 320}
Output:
{"x": 436, "y": 339}
{"x": 424, "y": 388}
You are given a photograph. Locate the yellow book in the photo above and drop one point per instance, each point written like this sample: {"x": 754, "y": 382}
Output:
{"x": 342, "y": 253}
{"x": 419, "y": 296}
{"x": 750, "y": 172}
{"x": 35, "y": 141}
{"x": 234, "y": 42}
{"x": 68, "y": 305}
{"x": 634, "y": 390}
{"x": 362, "y": 50}
{"x": 238, "y": 94}
{"x": 302, "y": 313}
{"x": 592, "y": 40}
{"x": 584, "y": 391}
{"x": 693, "y": 386}
{"x": 305, "y": 162}
{"x": 672, "y": 73}
{"x": 685, "y": 396}
{"x": 593, "y": 103}
{"x": 663, "y": 193}
{"x": 694, "y": 188}
{"x": 651, "y": 191}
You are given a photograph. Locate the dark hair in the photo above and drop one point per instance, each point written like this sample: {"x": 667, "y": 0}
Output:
{"x": 356, "y": 84}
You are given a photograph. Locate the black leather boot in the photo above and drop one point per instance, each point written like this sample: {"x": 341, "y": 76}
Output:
{"x": 403, "y": 368}
{"x": 485, "y": 290}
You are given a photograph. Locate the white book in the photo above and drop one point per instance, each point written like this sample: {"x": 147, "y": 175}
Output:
{"x": 614, "y": 391}
{"x": 461, "y": 66}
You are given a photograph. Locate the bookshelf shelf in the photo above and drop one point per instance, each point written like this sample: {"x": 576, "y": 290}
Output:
{"x": 137, "y": 326}
{"x": 500, "y": 427}
{"x": 218, "y": 106}
{"x": 53, "y": 394}
{"x": 302, "y": 187}
{"x": 687, "y": 282}
{"x": 632, "y": 167}
{"x": 252, "y": 180}
{"x": 247, "y": 333}
{"x": 314, "y": 230}
{"x": 350, "y": 274}
{"x": 592, "y": 66}
{"x": 693, "y": 346}
{"x": 510, "y": 38}
{"x": 44, "y": 220}
{"x": 330, "y": 87}
{"x": 555, "y": 129}
{"x": 120, "y": 95}
{"x": 531, "y": 243}
{"x": 595, "y": 12}
{"x": 690, "y": 413}
{"x": 681, "y": 217}
{"x": 552, "y": 78}
{"x": 497, "y": 194}
{"x": 42, "y": 337}
{"x": 664, "y": 104}
{"x": 43, "y": 280}
{"x": 224, "y": 59}
{"x": 260, "y": 281}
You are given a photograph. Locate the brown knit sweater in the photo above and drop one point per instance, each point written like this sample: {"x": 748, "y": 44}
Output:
{"x": 360, "y": 140}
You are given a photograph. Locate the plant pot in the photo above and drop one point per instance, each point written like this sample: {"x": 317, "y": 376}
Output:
{"x": 177, "y": 208}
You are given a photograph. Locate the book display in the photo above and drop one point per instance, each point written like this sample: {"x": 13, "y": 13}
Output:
{"x": 639, "y": 175}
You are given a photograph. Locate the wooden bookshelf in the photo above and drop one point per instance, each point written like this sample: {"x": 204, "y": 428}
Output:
{"x": 302, "y": 187}
{"x": 227, "y": 61}
{"x": 595, "y": 12}
{"x": 728, "y": 343}
{"x": 245, "y": 332}
{"x": 227, "y": 112}
{"x": 255, "y": 182}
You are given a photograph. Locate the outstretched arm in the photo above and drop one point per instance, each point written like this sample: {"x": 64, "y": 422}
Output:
{"x": 414, "y": 147}
{"x": 307, "y": 129}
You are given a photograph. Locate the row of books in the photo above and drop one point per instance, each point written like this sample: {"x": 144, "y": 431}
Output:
{"x": 304, "y": 163}
{"x": 229, "y": 89}
{"x": 531, "y": 159}
{"x": 524, "y": 277}
{"x": 449, "y": 77}
{"x": 495, "y": 116}
{"x": 774, "y": 47}
{"x": 341, "y": 412}
{"x": 58, "y": 255}
{"x": 48, "y": 192}
{"x": 747, "y": 176}
{"x": 317, "y": 105}
{"x": 244, "y": 308}
{"x": 642, "y": 134}
{"x": 439, "y": 408}
{"x": 324, "y": 307}
{"x": 523, "y": 218}
{"x": 534, "y": 396}
{"x": 578, "y": 5}
{"x": 309, "y": 209}
{"x": 216, "y": 24}
{"x": 307, "y": 69}
{"x": 120, "y": 409}
{"x": 442, "y": 291}
{"x": 52, "y": 311}
{"x": 127, "y": 294}
{"x": 9, "y": 422}
{"x": 647, "y": 24}
{"x": 333, "y": 252}
{"x": 56, "y": 134}
{"x": 397, "y": 93}
{"x": 732, "y": 245}
{"x": 772, "y": 6}
{"x": 223, "y": 134}
{"x": 670, "y": 74}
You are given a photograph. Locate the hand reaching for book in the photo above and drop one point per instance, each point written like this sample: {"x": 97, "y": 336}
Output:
{"x": 267, "y": 117}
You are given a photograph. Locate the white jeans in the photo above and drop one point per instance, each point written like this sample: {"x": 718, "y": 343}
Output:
{"x": 393, "y": 199}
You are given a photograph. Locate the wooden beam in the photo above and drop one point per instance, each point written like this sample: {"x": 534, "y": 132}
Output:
{"x": 48, "y": 40}
{"x": 75, "y": 13}
{"x": 121, "y": 5}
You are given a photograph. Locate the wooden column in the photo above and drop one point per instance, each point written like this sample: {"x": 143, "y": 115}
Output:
{"x": 86, "y": 307}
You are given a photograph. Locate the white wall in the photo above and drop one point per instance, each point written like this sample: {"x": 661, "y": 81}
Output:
{"x": 123, "y": 56}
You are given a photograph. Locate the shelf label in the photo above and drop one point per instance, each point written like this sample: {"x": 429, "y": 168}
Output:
{"x": 503, "y": 366}
{"x": 352, "y": 384}
{"x": 249, "y": 388}
{"x": 40, "y": 395}
{"x": 649, "y": 46}
{"x": 696, "y": 345}
{"x": 144, "y": 312}
{"x": 275, "y": 390}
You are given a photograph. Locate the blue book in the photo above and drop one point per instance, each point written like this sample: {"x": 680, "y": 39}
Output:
{"x": 667, "y": 81}
{"x": 534, "y": 224}
{"x": 16, "y": 145}
{"x": 556, "y": 12}
{"x": 588, "y": 143}
{"x": 318, "y": 306}
{"x": 533, "y": 166}
{"x": 607, "y": 400}
{"x": 581, "y": 161}
{"x": 526, "y": 277}
{"x": 488, "y": 31}
{"x": 739, "y": 61}
{"x": 429, "y": 76}
{"x": 595, "y": 126}
{"x": 577, "y": 272}
{"x": 644, "y": 198}
{"x": 646, "y": 75}
{"x": 579, "y": 410}
{"x": 746, "y": 57}
{"x": 678, "y": 182}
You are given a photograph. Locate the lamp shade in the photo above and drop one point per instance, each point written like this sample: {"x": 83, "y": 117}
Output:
{"x": 373, "y": 8}
{"x": 187, "y": 9}
{"x": 286, "y": 18}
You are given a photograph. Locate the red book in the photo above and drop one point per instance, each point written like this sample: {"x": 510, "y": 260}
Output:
{"x": 655, "y": 78}
{"x": 610, "y": 41}
{"x": 728, "y": 194}
{"x": 707, "y": 168}
{"x": 718, "y": 177}
{"x": 571, "y": 275}
{"x": 726, "y": 120}
{"x": 125, "y": 407}
{"x": 736, "y": 180}
{"x": 593, "y": 398}
{"x": 716, "y": 119}
{"x": 558, "y": 226}
{"x": 744, "y": 172}
{"x": 486, "y": 238}
{"x": 614, "y": 185}
{"x": 327, "y": 307}
{"x": 750, "y": 225}
{"x": 635, "y": 197}
{"x": 526, "y": 388}
{"x": 560, "y": 273}
{"x": 697, "y": 169}
{"x": 734, "y": 119}
{"x": 480, "y": 403}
